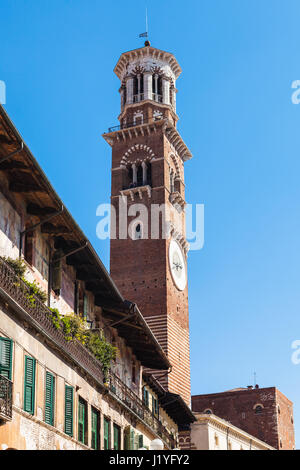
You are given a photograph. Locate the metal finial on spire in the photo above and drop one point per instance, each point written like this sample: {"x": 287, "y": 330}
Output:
{"x": 146, "y": 34}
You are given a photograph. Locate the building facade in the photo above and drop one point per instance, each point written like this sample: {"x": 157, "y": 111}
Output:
{"x": 210, "y": 432}
{"x": 264, "y": 413}
{"x": 55, "y": 392}
{"x": 148, "y": 156}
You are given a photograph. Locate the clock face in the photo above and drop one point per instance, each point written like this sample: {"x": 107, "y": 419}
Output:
{"x": 177, "y": 265}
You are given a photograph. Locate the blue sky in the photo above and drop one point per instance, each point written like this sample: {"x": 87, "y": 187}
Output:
{"x": 239, "y": 58}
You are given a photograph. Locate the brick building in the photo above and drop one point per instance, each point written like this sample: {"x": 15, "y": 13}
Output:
{"x": 264, "y": 413}
{"x": 148, "y": 156}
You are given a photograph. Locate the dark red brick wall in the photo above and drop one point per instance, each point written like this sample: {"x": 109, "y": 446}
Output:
{"x": 140, "y": 268}
{"x": 237, "y": 407}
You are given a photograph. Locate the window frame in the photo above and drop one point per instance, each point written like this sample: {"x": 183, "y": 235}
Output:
{"x": 28, "y": 385}
{"x": 71, "y": 417}
{"x": 8, "y": 368}
{"x": 51, "y": 404}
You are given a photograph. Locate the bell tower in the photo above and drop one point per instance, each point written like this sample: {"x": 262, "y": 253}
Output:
{"x": 148, "y": 258}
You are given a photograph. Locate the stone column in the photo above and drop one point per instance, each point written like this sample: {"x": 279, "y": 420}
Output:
{"x": 129, "y": 90}
{"x": 144, "y": 166}
{"x": 134, "y": 173}
{"x": 166, "y": 91}
{"x": 147, "y": 86}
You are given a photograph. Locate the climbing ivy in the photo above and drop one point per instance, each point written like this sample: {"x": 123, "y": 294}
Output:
{"x": 73, "y": 326}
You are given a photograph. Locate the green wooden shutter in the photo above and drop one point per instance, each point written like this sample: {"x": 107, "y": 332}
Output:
{"x": 146, "y": 396}
{"x": 29, "y": 385}
{"x": 49, "y": 399}
{"x": 5, "y": 357}
{"x": 127, "y": 438}
{"x": 106, "y": 434}
{"x": 154, "y": 406}
{"x": 131, "y": 439}
{"x": 81, "y": 420}
{"x": 116, "y": 437}
{"x": 141, "y": 441}
{"x": 95, "y": 429}
{"x": 69, "y": 392}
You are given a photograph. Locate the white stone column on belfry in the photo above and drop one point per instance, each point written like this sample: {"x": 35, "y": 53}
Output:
{"x": 144, "y": 166}
{"x": 129, "y": 90}
{"x": 122, "y": 98}
{"x": 174, "y": 91}
{"x": 166, "y": 91}
{"x": 134, "y": 173}
{"x": 148, "y": 86}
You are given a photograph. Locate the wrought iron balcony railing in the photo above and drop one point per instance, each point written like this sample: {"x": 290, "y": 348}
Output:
{"x": 157, "y": 97}
{"x": 18, "y": 291}
{"x": 127, "y": 125}
{"x": 133, "y": 401}
{"x": 5, "y": 398}
{"x": 139, "y": 97}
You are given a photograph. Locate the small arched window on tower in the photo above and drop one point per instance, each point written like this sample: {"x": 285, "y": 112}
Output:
{"x": 140, "y": 175}
{"x": 157, "y": 87}
{"x": 130, "y": 178}
{"x": 138, "y": 232}
{"x": 149, "y": 174}
{"x": 208, "y": 411}
{"x": 138, "y": 88}
{"x": 258, "y": 409}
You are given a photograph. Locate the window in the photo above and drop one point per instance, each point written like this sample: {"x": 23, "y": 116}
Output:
{"x": 154, "y": 406}
{"x": 216, "y": 440}
{"x": 106, "y": 434}
{"x": 69, "y": 394}
{"x": 258, "y": 409}
{"x": 140, "y": 181}
{"x": 149, "y": 174}
{"x": 138, "y": 232}
{"x": 6, "y": 357}
{"x": 82, "y": 421}
{"x": 117, "y": 437}
{"x": 49, "y": 399}
{"x": 146, "y": 396}
{"x": 208, "y": 411}
{"x": 29, "y": 384}
{"x": 133, "y": 373}
{"x": 95, "y": 444}
{"x": 141, "y": 441}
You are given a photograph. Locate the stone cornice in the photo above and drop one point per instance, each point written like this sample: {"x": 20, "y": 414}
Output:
{"x": 129, "y": 133}
{"x": 221, "y": 424}
{"x": 126, "y": 57}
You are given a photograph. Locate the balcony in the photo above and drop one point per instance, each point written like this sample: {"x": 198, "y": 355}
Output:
{"x": 133, "y": 401}
{"x": 5, "y": 399}
{"x": 36, "y": 313}
{"x": 138, "y": 98}
{"x": 156, "y": 97}
{"x": 128, "y": 125}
